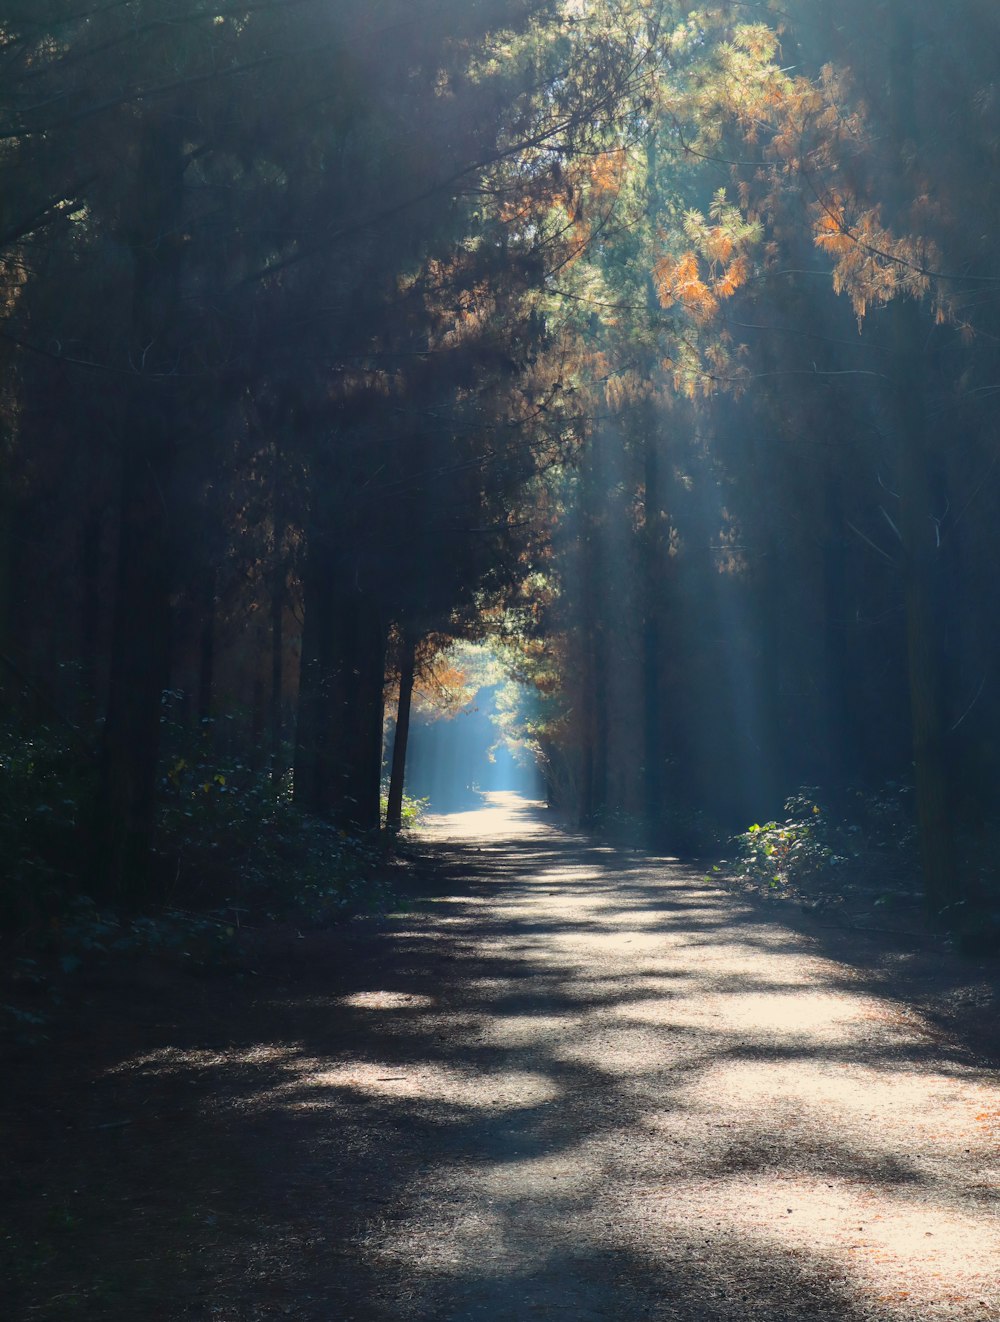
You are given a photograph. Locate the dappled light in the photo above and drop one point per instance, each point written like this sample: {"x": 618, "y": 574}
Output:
{"x": 387, "y": 1000}
{"x": 457, "y": 1089}
{"x": 612, "y": 1090}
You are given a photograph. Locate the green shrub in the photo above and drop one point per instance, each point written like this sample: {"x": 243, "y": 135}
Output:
{"x": 47, "y": 788}
{"x": 414, "y": 810}
{"x": 805, "y": 849}
{"x": 871, "y": 840}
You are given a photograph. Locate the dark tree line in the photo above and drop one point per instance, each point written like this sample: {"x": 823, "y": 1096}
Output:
{"x": 778, "y": 569}
{"x": 270, "y": 360}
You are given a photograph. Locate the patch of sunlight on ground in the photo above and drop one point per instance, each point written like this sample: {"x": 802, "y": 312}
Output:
{"x": 451, "y": 1249}
{"x": 798, "y": 1016}
{"x": 387, "y": 1000}
{"x": 171, "y": 1060}
{"x": 948, "y": 1117}
{"x": 503, "y": 814}
{"x": 571, "y": 873}
{"x": 460, "y": 1088}
{"x": 530, "y": 1030}
{"x": 621, "y": 1051}
{"x": 894, "y": 1245}
{"x": 600, "y": 944}
{"x": 559, "y": 1173}
{"x": 486, "y": 1212}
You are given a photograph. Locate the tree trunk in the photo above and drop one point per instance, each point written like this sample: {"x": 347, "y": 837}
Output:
{"x": 140, "y": 653}
{"x": 277, "y": 672}
{"x": 90, "y": 614}
{"x": 653, "y": 569}
{"x": 594, "y": 786}
{"x": 338, "y": 750}
{"x": 279, "y": 592}
{"x": 654, "y": 752}
{"x": 837, "y": 729}
{"x": 206, "y": 649}
{"x": 918, "y": 525}
{"x": 394, "y": 809}
{"x": 315, "y": 729}
{"x": 924, "y": 621}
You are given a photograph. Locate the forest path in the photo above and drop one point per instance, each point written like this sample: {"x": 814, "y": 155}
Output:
{"x": 576, "y": 1083}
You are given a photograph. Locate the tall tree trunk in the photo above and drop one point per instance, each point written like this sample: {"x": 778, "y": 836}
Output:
{"x": 277, "y": 723}
{"x": 315, "y": 728}
{"x": 206, "y": 648}
{"x": 924, "y": 619}
{"x": 140, "y": 660}
{"x": 279, "y": 589}
{"x": 918, "y": 525}
{"x": 407, "y": 662}
{"x": 838, "y": 732}
{"x": 338, "y": 750}
{"x": 654, "y": 753}
{"x": 653, "y": 569}
{"x": 594, "y": 780}
{"x": 8, "y": 499}
{"x": 90, "y": 613}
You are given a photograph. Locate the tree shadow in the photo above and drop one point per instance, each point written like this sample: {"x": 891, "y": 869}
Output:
{"x": 453, "y": 1114}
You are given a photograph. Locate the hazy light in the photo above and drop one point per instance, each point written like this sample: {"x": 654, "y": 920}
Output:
{"x": 453, "y": 761}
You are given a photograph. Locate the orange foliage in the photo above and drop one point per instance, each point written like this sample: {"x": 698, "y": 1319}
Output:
{"x": 607, "y": 171}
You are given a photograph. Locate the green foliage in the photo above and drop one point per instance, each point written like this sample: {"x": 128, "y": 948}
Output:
{"x": 232, "y": 851}
{"x": 691, "y": 831}
{"x": 413, "y": 812}
{"x": 229, "y": 835}
{"x": 872, "y": 839}
{"x": 617, "y": 825}
{"x": 790, "y": 853}
{"x": 46, "y": 792}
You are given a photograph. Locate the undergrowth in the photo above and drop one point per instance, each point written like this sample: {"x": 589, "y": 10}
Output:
{"x": 815, "y": 852}
{"x": 865, "y": 856}
{"x": 232, "y": 852}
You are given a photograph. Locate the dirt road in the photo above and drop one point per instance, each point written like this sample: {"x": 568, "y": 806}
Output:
{"x": 575, "y": 1084}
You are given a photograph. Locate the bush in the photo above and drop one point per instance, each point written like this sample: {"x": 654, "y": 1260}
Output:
{"x": 229, "y": 838}
{"x": 47, "y": 788}
{"x": 229, "y": 834}
{"x": 872, "y": 841}
{"x": 793, "y": 852}
{"x": 414, "y": 810}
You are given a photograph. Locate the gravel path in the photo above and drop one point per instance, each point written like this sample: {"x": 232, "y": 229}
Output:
{"x": 638, "y": 1100}
{"x": 575, "y": 1084}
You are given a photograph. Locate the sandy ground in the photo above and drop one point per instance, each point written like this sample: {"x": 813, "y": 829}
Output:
{"x": 575, "y": 1084}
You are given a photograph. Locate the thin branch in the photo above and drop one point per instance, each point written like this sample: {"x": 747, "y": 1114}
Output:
{"x": 979, "y": 694}
{"x": 877, "y": 549}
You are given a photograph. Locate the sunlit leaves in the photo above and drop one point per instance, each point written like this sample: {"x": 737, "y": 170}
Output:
{"x": 872, "y": 266}
{"x": 811, "y": 136}
{"x": 715, "y": 267}
{"x": 607, "y": 172}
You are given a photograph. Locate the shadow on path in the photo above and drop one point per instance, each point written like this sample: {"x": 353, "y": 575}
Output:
{"x": 571, "y": 1082}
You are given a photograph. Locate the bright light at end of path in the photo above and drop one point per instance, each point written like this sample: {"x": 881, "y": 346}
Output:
{"x": 503, "y": 815}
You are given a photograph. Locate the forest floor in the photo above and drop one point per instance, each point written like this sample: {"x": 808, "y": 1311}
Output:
{"x": 572, "y": 1082}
